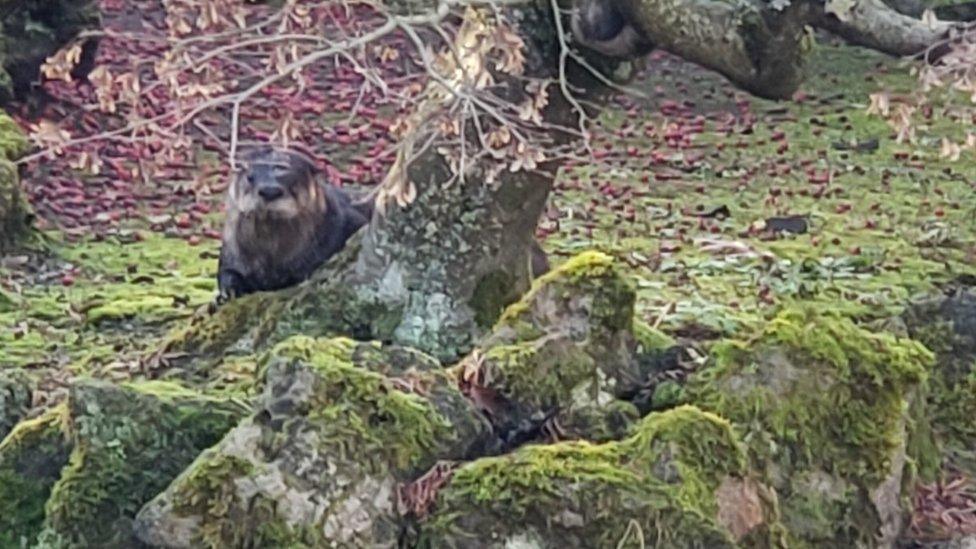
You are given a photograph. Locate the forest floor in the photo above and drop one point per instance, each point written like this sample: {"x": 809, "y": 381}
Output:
{"x": 684, "y": 186}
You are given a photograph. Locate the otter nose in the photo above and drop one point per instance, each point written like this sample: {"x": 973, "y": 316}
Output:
{"x": 270, "y": 193}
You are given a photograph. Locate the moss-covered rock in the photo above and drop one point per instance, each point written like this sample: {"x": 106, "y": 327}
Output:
{"x": 31, "y": 459}
{"x": 947, "y": 325}
{"x": 75, "y": 476}
{"x": 561, "y": 356}
{"x": 16, "y": 388}
{"x": 823, "y": 406}
{"x": 323, "y": 455}
{"x": 681, "y": 480}
{"x": 568, "y": 345}
{"x": 15, "y": 213}
{"x": 588, "y": 296}
{"x": 212, "y": 336}
{"x": 323, "y": 306}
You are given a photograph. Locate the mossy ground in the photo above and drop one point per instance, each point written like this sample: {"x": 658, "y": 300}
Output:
{"x": 96, "y": 303}
{"x": 883, "y": 225}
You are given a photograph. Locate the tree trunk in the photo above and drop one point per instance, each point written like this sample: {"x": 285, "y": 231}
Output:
{"x": 912, "y": 8}
{"x": 872, "y": 24}
{"x": 754, "y": 46}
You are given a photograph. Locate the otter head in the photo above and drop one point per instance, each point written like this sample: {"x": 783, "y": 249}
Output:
{"x": 276, "y": 183}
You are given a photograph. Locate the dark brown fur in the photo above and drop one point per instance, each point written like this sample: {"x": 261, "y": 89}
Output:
{"x": 282, "y": 224}
{"x": 606, "y": 27}
{"x": 539, "y": 261}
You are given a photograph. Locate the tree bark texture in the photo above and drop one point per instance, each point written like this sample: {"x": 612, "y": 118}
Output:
{"x": 756, "y": 47}
{"x": 873, "y": 24}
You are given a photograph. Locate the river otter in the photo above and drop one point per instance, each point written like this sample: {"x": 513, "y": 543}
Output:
{"x": 605, "y": 27}
{"x": 282, "y": 223}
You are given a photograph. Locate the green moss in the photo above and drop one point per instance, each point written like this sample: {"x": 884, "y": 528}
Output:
{"x": 13, "y": 142}
{"x": 129, "y": 443}
{"x": 850, "y": 430}
{"x": 953, "y": 405}
{"x": 651, "y": 339}
{"x": 532, "y": 372}
{"x": 158, "y": 280}
{"x": 660, "y": 482}
{"x": 31, "y": 458}
{"x": 708, "y": 443}
{"x": 815, "y": 394}
{"x": 207, "y": 488}
{"x": 15, "y": 213}
{"x": 280, "y": 535}
{"x": 16, "y": 389}
{"x": 667, "y": 395}
{"x": 123, "y": 296}
{"x": 591, "y": 274}
{"x": 209, "y": 335}
{"x": 565, "y": 349}
{"x": 352, "y": 405}
{"x": 529, "y": 477}
{"x": 944, "y": 417}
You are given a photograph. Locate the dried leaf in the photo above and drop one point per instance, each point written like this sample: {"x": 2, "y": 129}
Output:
{"x": 880, "y": 104}
{"x": 499, "y": 137}
{"x": 60, "y": 65}
{"x": 950, "y": 150}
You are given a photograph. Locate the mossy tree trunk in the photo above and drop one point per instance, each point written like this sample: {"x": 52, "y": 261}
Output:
{"x": 452, "y": 260}
{"x": 30, "y": 31}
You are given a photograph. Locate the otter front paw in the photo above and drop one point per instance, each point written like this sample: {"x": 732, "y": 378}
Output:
{"x": 223, "y": 297}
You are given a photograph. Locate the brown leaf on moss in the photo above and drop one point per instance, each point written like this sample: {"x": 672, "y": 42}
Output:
{"x": 944, "y": 509}
{"x": 418, "y": 497}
